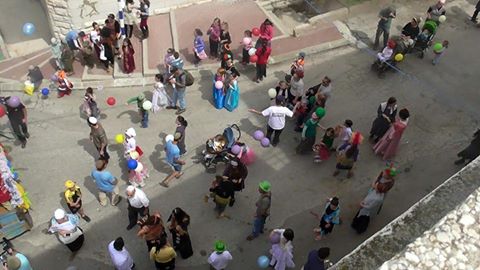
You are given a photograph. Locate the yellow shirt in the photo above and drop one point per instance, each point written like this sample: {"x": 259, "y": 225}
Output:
{"x": 69, "y": 194}
{"x": 164, "y": 255}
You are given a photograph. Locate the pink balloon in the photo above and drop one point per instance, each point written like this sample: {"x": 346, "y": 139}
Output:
{"x": 265, "y": 142}
{"x": 236, "y": 149}
{"x": 218, "y": 84}
{"x": 247, "y": 40}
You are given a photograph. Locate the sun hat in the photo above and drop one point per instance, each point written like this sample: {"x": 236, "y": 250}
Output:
{"x": 219, "y": 246}
{"x": 59, "y": 214}
{"x": 53, "y": 40}
{"x": 69, "y": 184}
{"x": 265, "y": 186}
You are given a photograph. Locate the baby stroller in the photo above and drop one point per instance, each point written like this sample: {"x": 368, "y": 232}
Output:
{"x": 380, "y": 66}
{"x": 424, "y": 39}
{"x": 217, "y": 148}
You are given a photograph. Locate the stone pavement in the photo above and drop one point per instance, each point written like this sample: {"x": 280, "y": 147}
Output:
{"x": 175, "y": 29}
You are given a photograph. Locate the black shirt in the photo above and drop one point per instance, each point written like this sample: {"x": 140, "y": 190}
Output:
{"x": 15, "y": 114}
{"x": 225, "y": 189}
{"x": 225, "y": 36}
{"x": 409, "y": 30}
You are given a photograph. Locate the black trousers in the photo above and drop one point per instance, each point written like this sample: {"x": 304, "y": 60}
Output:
{"x": 129, "y": 30}
{"x": 20, "y": 130}
{"x": 276, "y": 136}
{"x": 213, "y": 47}
{"x": 261, "y": 71}
{"x": 475, "y": 13}
{"x": 133, "y": 214}
{"x": 105, "y": 155}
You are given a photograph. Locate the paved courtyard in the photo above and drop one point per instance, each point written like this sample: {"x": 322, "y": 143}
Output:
{"x": 442, "y": 99}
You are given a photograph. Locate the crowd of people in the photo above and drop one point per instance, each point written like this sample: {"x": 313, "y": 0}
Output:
{"x": 289, "y": 98}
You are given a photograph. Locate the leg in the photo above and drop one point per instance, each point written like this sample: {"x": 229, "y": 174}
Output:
{"x": 115, "y": 195}
{"x": 264, "y": 71}
{"x": 145, "y": 119}
{"x": 276, "y": 137}
{"x": 377, "y": 37}
{"x": 258, "y": 73}
{"x": 269, "y": 133}
{"x": 132, "y": 217}
{"x": 181, "y": 100}
{"x": 18, "y": 133}
{"x": 474, "y": 16}
{"x": 175, "y": 98}
{"x": 386, "y": 35}
{"x": 25, "y": 130}
{"x": 102, "y": 198}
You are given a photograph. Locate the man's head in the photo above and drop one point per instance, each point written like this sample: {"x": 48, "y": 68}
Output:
{"x": 175, "y": 71}
{"x": 130, "y": 191}
{"x": 111, "y": 17}
{"x": 323, "y": 253}
{"x": 279, "y": 100}
{"x": 264, "y": 187}
{"x": 326, "y": 81}
{"x": 100, "y": 164}
{"x": 118, "y": 244}
{"x": 92, "y": 121}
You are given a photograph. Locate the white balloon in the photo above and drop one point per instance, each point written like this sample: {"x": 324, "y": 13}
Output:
{"x": 139, "y": 167}
{"x": 169, "y": 138}
{"x": 147, "y": 105}
{"x": 252, "y": 51}
{"x": 272, "y": 93}
{"x": 442, "y": 18}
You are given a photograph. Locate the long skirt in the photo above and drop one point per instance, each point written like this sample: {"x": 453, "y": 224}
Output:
{"x": 232, "y": 97}
{"x": 380, "y": 126}
{"x": 218, "y": 98}
{"x": 182, "y": 244}
{"x": 77, "y": 244}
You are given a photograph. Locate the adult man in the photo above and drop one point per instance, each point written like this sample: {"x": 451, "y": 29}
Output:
{"x": 137, "y": 205}
{"x": 386, "y": 15}
{"x": 17, "y": 114}
{"x": 434, "y": 12}
{"x": 106, "y": 184}
{"x": 35, "y": 76}
{"x": 276, "y": 118}
{"x": 263, "y": 209}
{"x": 120, "y": 256}
{"x": 99, "y": 138}
{"x": 316, "y": 259}
{"x": 173, "y": 157}
{"x": 177, "y": 80}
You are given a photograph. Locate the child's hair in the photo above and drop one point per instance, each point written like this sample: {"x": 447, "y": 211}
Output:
{"x": 225, "y": 26}
{"x": 247, "y": 33}
{"x": 445, "y": 43}
{"x": 221, "y": 71}
{"x": 94, "y": 24}
{"x": 159, "y": 77}
{"x": 348, "y": 123}
{"x": 330, "y": 130}
{"x": 198, "y": 32}
{"x": 89, "y": 90}
{"x": 218, "y": 178}
{"x": 147, "y": 2}
{"x": 182, "y": 121}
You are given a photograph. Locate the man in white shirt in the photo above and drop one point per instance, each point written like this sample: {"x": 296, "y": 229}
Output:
{"x": 121, "y": 258}
{"x": 220, "y": 258}
{"x": 297, "y": 87}
{"x": 137, "y": 205}
{"x": 276, "y": 118}
{"x": 325, "y": 87}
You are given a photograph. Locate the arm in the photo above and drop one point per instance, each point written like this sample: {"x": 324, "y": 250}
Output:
{"x": 131, "y": 100}
{"x": 255, "y": 111}
{"x": 24, "y": 110}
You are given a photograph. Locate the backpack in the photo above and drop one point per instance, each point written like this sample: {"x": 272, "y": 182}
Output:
{"x": 189, "y": 80}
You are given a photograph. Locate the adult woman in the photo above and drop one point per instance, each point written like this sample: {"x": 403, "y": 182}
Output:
{"x": 128, "y": 59}
{"x": 163, "y": 255}
{"x": 181, "y": 126}
{"x": 223, "y": 193}
{"x": 266, "y": 34}
{"x": 73, "y": 197}
{"x": 330, "y": 217}
{"x": 86, "y": 47}
{"x": 263, "y": 53}
{"x": 66, "y": 227}
{"x": 368, "y": 205}
{"x": 224, "y": 35}
{"x": 232, "y": 95}
{"x": 152, "y": 230}
{"x": 130, "y": 18}
{"x": 214, "y": 37}
{"x": 282, "y": 250}
{"x": 388, "y": 145}
{"x": 471, "y": 152}
{"x": 386, "y": 113}
{"x": 95, "y": 38}
{"x": 198, "y": 46}
{"x": 347, "y": 155}
{"x": 144, "y": 12}
{"x": 90, "y": 107}
{"x": 179, "y": 221}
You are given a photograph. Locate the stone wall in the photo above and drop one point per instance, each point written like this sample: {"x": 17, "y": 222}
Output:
{"x": 437, "y": 206}
{"x": 59, "y": 16}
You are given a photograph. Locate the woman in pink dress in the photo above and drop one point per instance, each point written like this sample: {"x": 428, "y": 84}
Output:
{"x": 388, "y": 145}
{"x": 128, "y": 60}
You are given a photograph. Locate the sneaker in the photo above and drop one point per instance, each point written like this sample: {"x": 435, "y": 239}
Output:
{"x": 129, "y": 227}
{"x": 24, "y": 144}
{"x": 180, "y": 111}
{"x": 27, "y": 135}
{"x": 86, "y": 218}
{"x": 251, "y": 237}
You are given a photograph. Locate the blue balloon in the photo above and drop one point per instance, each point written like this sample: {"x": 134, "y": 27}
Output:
{"x": 15, "y": 175}
{"x": 28, "y": 29}
{"x": 263, "y": 261}
{"x": 9, "y": 163}
{"x": 45, "y": 91}
{"x": 132, "y": 164}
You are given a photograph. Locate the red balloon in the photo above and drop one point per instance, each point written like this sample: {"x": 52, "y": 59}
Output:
{"x": 111, "y": 101}
{"x": 256, "y": 31}
{"x": 253, "y": 58}
{"x": 2, "y": 111}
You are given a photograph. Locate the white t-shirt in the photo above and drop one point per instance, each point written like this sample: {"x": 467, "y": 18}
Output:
{"x": 276, "y": 116}
{"x": 120, "y": 259}
{"x": 219, "y": 261}
{"x": 139, "y": 200}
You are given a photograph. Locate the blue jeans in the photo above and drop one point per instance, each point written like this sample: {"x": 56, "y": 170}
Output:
{"x": 258, "y": 224}
{"x": 179, "y": 95}
{"x": 144, "y": 119}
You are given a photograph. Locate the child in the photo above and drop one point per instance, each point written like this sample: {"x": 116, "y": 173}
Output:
{"x": 168, "y": 58}
{"x": 298, "y": 63}
{"x": 322, "y": 150}
{"x": 137, "y": 177}
{"x": 247, "y": 45}
{"x": 90, "y": 107}
{"x": 140, "y": 99}
{"x": 129, "y": 143}
{"x": 160, "y": 97}
{"x": 64, "y": 85}
{"x": 177, "y": 61}
{"x": 387, "y": 52}
{"x": 226, "y": 55}
{"x": 219, "y": 258}
{"x": 215, "y": 183}
{"x": 439, "y": 52}
{"x": 309, "y": 131}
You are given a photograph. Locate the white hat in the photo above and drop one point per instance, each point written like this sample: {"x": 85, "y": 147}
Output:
{"x": 92, "y": 120}
{"x": 131, "y": 132}
{"x": 59, "y": 214}
{"x": 169, "y": 138}
{"x": 53, "y": 40}
{"x": 130, "y": 188}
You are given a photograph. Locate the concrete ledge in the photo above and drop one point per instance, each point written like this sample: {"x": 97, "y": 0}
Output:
{"x": 403, "y": 230}
{"x": 338, "y": 14}
{"x": 310, "y": 50}
{"x": 275, "y": 20}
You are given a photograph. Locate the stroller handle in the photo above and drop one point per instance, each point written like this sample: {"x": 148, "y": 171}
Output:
{"x": 237, "y": 129}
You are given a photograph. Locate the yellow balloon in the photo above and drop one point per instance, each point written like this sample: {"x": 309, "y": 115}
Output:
{"x": 399, "y": 57}
{"x": 119, "y": 138}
